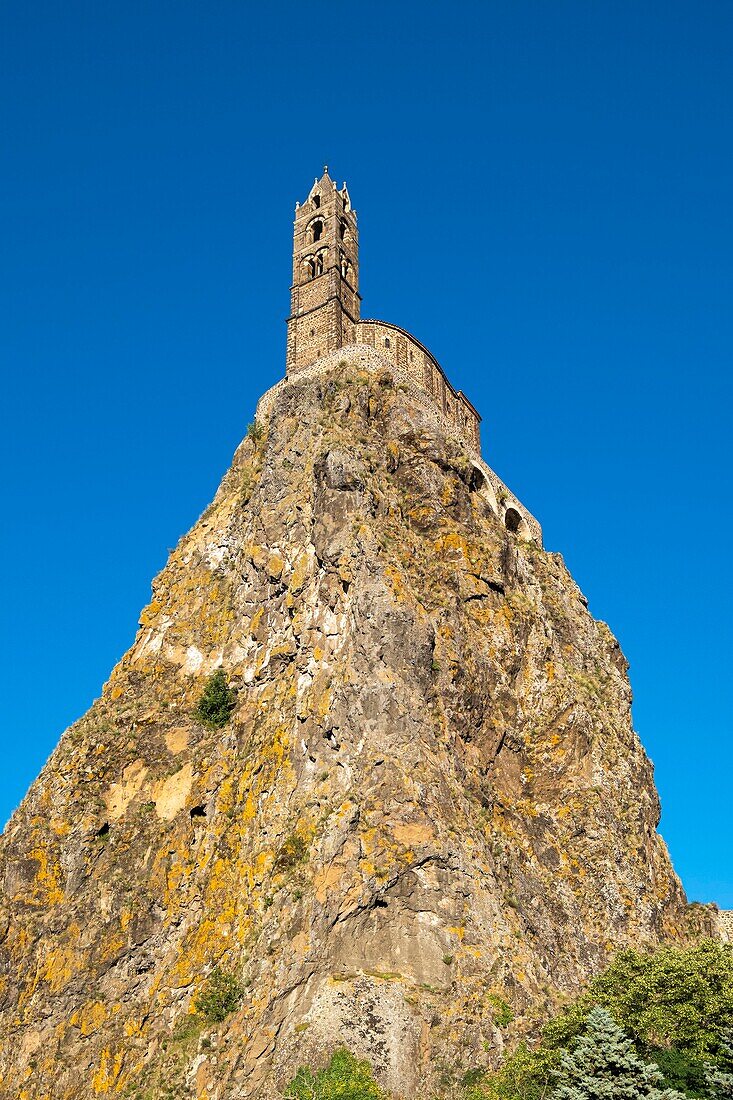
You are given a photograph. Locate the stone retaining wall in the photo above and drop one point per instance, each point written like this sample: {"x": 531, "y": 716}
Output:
{"x": 725, "y": 925}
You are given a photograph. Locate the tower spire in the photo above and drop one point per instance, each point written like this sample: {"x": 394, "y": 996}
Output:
{"x": 324, "y": 297}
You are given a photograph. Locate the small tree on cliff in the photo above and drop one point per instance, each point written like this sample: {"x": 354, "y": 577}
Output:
{"x": 605, "y": 1066}
{"x": 217, "y": 701}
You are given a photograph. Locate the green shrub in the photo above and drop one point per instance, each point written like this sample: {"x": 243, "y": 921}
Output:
{"x": 188, "y": 1027}
{"x": 292, "y": 852}
{"x": 680, "y": 1070}
{"x": 524, "y": 1075}
{"x": 222, "y": 993}
{"x": 255, "y": 432}
{"x": 217, "y": 701}
{"x": 344, "y": 1078}
{"x": 500, "y": 1010}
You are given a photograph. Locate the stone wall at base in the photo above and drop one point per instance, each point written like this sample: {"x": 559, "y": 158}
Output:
{"x": 724, "y": 920}
{"x": 363, "y": 357}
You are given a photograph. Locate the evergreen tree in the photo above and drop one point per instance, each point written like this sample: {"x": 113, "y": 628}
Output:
{"x": 718, "y": 1078}
{"x": 217, "y": 701}
{"x": 605, "y": 1066}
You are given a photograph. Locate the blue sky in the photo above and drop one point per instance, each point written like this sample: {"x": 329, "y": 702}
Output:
{"x": 544, "y": 198}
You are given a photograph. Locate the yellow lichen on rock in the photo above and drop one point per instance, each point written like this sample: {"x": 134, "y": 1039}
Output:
{"x": 389, "y": 824}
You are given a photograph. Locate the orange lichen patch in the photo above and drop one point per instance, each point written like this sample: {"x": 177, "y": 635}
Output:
{"x": 323, "y": 701}
{"x": 274, "y": 565}
{"x": 47, "y": 889}
{"x": 58, "y": 967}
{"x": 113, "y": 945}
{"x": 504, "y": 615}
{"x": 263, "y": 862}
{"x": 300, "y": 573}
{"x": 89, "y": 1018}
{"x": 257, "y": 554}
{"x": 149, "y": 614}
{"x": 421, "y": 514}
{"x": 133, "y": 1027}
{"x": 256, "y": 620}
{"x": 108, "y": 1071}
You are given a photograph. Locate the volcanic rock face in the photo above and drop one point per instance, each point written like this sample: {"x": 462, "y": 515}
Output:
{"x": 429, "y": 799}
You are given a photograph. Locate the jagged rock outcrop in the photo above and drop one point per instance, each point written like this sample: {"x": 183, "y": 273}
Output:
{"x": 429, "y": 800}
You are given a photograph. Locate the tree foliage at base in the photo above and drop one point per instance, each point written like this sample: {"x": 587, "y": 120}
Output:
{"x": 604, "y": 1065}
{"x": 671, "y": 999}
{"x": 217, "y": 701}
{"x": 675, "y": 1005}
{"x": 718, "y": 1076}
{"x": 344, "y": 1078}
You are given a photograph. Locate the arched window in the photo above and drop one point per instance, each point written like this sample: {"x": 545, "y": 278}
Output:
{"x": 478, "y": 483}
{"x": 319, "y": 263}
{"x": 342, "y": 229}
{"x": 309, "y": 266}
{"x": 476, "y": 479}
{"x": 387, "y": 342}
{"x": 345, "y": 265}
{"x": 317, "y": 230}
{"x": 316, "y": 200}
{"x": 512, "y": 519}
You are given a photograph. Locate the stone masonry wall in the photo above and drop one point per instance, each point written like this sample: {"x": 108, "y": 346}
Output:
{"x": 364, "y": 357}
{"x": 408, "y": 354}
{"x": 725, "y": 925}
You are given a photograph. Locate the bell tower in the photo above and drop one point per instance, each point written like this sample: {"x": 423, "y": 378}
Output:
{"x": 324, "y": 298}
